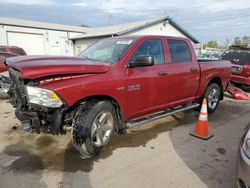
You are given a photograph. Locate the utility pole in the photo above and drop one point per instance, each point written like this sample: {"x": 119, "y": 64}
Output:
{"x": 110, "y": 19}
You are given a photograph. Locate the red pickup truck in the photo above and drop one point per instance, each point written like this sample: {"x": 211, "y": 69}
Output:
{"x": 115, "y": 84}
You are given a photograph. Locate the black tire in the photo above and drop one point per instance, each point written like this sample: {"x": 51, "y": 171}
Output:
{"x": 82, "y": 125}
{"x": 212, "y": 106}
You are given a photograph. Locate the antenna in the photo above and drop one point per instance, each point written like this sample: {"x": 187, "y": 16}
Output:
{"x": 174, "y": 15}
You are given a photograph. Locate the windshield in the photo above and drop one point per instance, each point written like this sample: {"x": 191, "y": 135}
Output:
{"x": 242, "y": 58}
{"x": 107, "y": 50}
{"x": 18, "y": 51}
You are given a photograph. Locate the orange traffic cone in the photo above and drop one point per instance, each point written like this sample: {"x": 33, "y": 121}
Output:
{"x": 201, "y": 129}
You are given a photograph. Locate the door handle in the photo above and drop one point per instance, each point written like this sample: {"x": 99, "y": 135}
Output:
{"x": 194, "y": 69}
{"x": 162, "y": 73}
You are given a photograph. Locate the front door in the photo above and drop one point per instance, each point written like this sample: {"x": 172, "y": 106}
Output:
{"x": 143, "y": 82}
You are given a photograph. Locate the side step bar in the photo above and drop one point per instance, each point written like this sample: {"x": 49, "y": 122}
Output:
{"x": 150, "y": 118}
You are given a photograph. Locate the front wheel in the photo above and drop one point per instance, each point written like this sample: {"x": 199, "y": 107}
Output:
{"x": 92, "y": 127}
{"x": 213, "y": 96}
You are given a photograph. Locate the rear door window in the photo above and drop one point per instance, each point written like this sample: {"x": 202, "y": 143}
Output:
{"x": 245, "y": 60}
{"x": 179, "y": 51}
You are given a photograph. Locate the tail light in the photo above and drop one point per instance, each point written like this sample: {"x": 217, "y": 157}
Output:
{"x": 248, "y": 69}
{"x": 246, "y": 66}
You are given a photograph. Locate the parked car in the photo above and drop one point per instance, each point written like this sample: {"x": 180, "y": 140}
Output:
{"x": 3, "y": 56}
{"x": 240, "y": 58}
{"x": 12, "y": 50}
{"x": 209, "y": 56}
{"x": 115, "y": 84}
{"x": 7, "y": 52}
{"x": 243, "y": 173}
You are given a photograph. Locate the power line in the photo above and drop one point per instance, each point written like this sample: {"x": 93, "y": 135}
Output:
{"x": 218, "y": 20}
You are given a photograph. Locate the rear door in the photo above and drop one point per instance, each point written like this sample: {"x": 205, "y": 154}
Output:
{"x": 143, "y": 83}
{"x": 184, "y": 72}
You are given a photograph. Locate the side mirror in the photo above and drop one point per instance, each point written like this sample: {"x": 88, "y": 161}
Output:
{"x": 142, "y": 61}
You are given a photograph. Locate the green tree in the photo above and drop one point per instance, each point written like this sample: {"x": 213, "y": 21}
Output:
{"x": 244, "y": 41}
{"x": 211, "y": 44}
{"x": 83, "y": 25}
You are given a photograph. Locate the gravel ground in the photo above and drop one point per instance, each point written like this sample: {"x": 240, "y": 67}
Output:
{"x": 160, "y": 154}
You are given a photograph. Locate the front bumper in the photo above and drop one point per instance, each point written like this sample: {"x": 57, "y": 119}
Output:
{"x": 33, "y": 121}
{"x": 240, "y": 79}
{"x": 30, "y": 120}
{"x": 243, "y": 173}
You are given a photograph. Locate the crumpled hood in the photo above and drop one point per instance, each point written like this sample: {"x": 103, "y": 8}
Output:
{"x": 33, "y": 67}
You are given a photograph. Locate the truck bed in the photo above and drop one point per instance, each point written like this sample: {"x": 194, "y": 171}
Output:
{"x": 213, "y": 70}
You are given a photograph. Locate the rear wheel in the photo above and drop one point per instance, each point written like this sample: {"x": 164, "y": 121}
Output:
{"x": 92, "y": 127}
{"x": 213, "y": 96}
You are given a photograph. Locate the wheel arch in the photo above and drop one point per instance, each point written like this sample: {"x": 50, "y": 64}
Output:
{"x": 121, "y": 126}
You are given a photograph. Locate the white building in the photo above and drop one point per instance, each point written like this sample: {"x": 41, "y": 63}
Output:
{"x": 39, "y": 38}
{"x": 164, "y": 26}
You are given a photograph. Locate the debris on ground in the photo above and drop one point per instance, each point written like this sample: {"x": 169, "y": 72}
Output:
{"x": 237, "y": 93}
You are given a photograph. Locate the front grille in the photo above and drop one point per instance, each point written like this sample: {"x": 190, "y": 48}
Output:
{"x": 17, "y": 89}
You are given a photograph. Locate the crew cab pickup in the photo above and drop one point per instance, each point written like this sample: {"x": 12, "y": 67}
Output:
{"x": 115, "y": 84}
{"x": 240, "y": 59}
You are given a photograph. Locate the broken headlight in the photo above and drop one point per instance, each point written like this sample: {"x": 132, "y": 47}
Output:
{"x": 43, "y": 97}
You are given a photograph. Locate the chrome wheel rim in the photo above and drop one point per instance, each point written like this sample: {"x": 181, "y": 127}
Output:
{"x": 102, "y": 128}
{"x": 213, "y": 98}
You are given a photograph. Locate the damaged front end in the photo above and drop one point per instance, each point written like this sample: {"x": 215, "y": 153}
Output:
{"x": 38, "y": 109}
{"x": 4, "y": 85}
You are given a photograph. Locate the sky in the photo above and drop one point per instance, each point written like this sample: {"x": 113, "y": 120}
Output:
{"x": 204, "y": 19}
